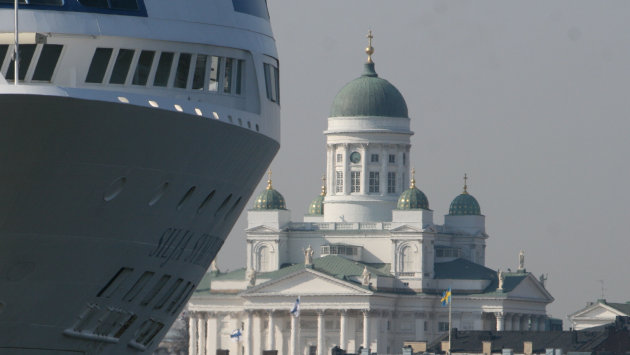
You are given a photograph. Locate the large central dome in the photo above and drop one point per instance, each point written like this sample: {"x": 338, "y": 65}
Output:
{"x": 369, "y": 95}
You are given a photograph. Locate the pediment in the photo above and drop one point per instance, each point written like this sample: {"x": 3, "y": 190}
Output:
{"x": 598, "y": 311}
{"x": 405, "y": 228}
{"x": 530, "y": 288}
{"x": 262, "y": 230}
{"x": 306, "y": 282}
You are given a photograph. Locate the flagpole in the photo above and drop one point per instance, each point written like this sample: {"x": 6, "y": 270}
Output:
{"x": 450, "y": 324}
{"x": 16, "y": 55}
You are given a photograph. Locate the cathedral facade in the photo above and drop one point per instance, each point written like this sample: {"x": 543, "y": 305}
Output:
{"x": 367, "y": 266}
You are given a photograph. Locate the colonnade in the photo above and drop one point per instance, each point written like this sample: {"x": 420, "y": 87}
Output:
{"x": 519, "y": 321}
{"x": 205, "y": 331}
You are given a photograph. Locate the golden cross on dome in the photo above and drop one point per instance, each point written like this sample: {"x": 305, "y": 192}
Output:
{"x": 323, "y": 185}
{"x": 413, "y": 178}
{"x": 465, "y": 185}
{"x": 369, "y": 50}
{"x": 269, "y": 180}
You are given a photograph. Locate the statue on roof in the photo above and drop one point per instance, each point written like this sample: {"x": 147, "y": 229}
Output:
{"x": 308, "y": 255}
{"x": 366, "y": 275}
{"x": 501, "y": 280}
{"x": 250, "y": 275}
{"x": 521, "y": 260}
{"x": 543, "y": 278}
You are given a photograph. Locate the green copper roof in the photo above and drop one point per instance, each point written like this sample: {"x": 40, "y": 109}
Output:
{"x": 412, "y": 198}
{"x": 316, "y": 208}
{"x": 270, "y": 199}
{"x": 464, "y": 204}
{"x": 369, "y": 95}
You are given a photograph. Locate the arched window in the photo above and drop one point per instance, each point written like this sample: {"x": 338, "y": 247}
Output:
{"x": 406, "y": 259}
{"x": 264, "y": 259}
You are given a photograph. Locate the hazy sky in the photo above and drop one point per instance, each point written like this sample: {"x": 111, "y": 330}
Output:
{"x": 530, "y": 98}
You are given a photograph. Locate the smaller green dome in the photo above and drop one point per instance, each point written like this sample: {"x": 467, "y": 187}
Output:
{"x": 464, "y": 204}
{"x": 316, "y": 208}
{"x": 413, "y": 198}
{"x": 270, "y": 199}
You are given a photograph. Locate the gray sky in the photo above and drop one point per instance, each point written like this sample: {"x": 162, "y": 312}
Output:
{"x": 530, "y": 98}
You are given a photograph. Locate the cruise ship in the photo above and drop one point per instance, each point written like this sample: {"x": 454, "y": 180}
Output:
{"x": 129, "y": 145}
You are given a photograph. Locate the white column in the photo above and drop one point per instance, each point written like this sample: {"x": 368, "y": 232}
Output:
{"x": 346, "y": 170}
{"x": 294, "y": 335}
{"x": 364, "y": 170}
{"x": 258, "y": 339}
{"x": 343, "y": 337}
{"x": 192, "y": 337}
{"x": 271, "y": 336}
{"x": 248, "y": 334}
{"x": 201, "y": 329}
{"x": 212, "y": 331}
{"x": 321, "y": 335}
{"x": 330, "y": 169}
{"x": 541, "y": 323}
{"x": 375, "y": 333}
{"x": 516, "y": 322}
{"x": 366, "y": 329}
{"x": 499, "y": 316}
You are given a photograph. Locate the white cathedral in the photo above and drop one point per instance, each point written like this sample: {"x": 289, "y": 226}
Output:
{"x": 367, "y": 263}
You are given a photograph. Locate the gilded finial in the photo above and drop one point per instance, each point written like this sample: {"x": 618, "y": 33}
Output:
{"x": 269, "y": 180}
{"x": 412, "y": 185}
{"x": 465, "y": 185}
{"x": 369, "y": 49}
{"x": 323, "y": 185}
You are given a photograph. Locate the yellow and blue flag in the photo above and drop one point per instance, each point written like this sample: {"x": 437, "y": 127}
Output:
{"x": 446, "y": 297}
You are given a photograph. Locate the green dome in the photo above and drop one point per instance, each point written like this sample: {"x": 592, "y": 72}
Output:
{"x": 316, "y": 208}
{"x": 412, "y": 198}
{"x": 270, "y": 199}
{"x": 464, "y": 204}
{"x": 369, "y": 95}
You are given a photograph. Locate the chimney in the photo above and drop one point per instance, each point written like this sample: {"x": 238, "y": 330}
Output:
{"x": 528, "y": 348}
{"x": 487, "y": 347}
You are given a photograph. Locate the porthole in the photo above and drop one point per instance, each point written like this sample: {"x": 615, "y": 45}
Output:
{"x": 257, "y": 128}
{"x": 206, "y": 201}
{"x": 114, "y": 189}
{"x": 249, "y": 124}
{"x": 186, "y": 197}
{"x": 223, "y": 204}
{"x": 158, "y": 194}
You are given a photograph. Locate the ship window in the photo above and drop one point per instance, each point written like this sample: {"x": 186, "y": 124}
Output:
{"x": 110, "y": 4}
{"x": 223, "y": 204}
{"x": 239, "y": 76}
{"x": 3, "y": 52}
{"x": 186, "y": 197}
{"x": 232, "y": 208}
{"x": 168, "y": 294}
{"x": 143, "y": 68}
{"x": 215, "y": 68}
{"x": 47, "y": 62}
{"x": 100, "y": 60}
{"x": 138, "y": 286}
{"x": 183, "y": 67}
{"x": 191, "y": 288}
{"x": 114, "y": 284}
{"x": 148, "y": 330}
{"x": 200, "y": 72}
{"x": 94, "y": 3}
{"x": 252, "y": 7}
{"x": 125, "y": 326}
{"x": 121, "y": 66}
{"x": 175, "y": 301}
{"x": 272, "y": 82}
{"x": 227, "y": 81}
{"x": 26, "y": 54}
{"x": 123, "y": 4}
{"x": 206, "y": 201}
{"x": 155, "y": 290}
{"x": 164, "y": 69}
{"x": 36, "y": 2}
